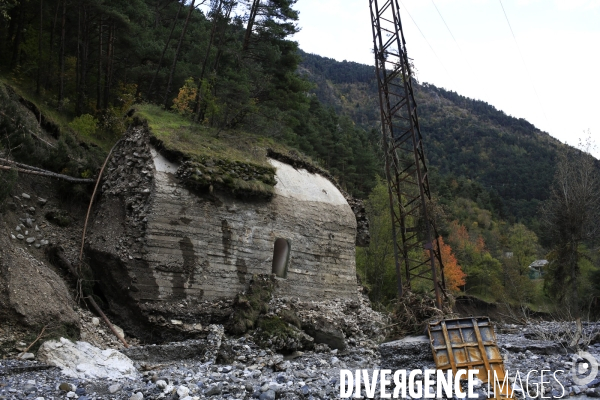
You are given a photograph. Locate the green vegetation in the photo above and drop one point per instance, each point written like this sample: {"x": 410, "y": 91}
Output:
{"x": 493, "y": 254}
{"x": 180, "y": 135}
{"x": 250, "y": 305}
{"x": 507, "y": 161}
{"x": 223, "y": 79}
{"x": 85, "y": 124}
{"x": 19, "y": 140}
{"x": 275, "y": 333}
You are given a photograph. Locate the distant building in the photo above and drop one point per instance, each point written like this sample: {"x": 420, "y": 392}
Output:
{"x": 536, "y": 269}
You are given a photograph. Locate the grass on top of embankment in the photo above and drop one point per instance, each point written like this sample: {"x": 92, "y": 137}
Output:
{"x": 198, "y": 142}
{"x": 231, "y": 160}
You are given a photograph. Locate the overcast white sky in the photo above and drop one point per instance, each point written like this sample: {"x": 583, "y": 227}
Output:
{"x": 559, "y": 41}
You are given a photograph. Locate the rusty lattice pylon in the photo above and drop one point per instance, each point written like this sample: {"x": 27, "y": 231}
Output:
{"x": 416, "y": 250}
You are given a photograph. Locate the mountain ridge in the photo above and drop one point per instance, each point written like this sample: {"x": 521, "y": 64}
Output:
{"x": 463, "y": 137}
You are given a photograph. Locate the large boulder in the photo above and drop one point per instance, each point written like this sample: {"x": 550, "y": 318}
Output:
{"x": 325, "y": 332}
{"x": 81, "y": 360}
{"x": 410, "y": 352}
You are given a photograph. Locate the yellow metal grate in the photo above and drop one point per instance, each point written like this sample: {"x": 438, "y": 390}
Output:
{"x": 469, "y": 343}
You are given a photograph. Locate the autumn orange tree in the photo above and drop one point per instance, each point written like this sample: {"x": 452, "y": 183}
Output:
{"x": 483, "y": 271}
{"x": 453, "y": 273}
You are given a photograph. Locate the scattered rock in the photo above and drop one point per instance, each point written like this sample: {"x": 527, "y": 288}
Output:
{"x": 161, "y": 384}
{"x": 114, "y": 388}
{"x": 26, "y": 356}
{"x": 213, "y": 390}
{"x": 25, "y": 196}
{"x": 182, "y": 391}
{"x": 66, "y": 387}
{"x": 119, "y": 330}
{"x": 268, "y": 395}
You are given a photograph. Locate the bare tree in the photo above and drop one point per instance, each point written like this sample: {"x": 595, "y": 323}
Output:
{"x": 570, "y": 217}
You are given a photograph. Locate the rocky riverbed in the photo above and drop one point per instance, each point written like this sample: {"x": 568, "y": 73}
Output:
{"x": 236, "y": 368}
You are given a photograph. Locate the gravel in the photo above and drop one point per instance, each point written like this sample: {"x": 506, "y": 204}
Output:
{"x": 265, "y": 375}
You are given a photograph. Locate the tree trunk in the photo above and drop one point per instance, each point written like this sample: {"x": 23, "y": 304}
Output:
{"x": 200, "y": 108}
{"x": 18, "y": 38}
{"x": 99, "y": 80}
{"x": 39, "y": 68}
{"x": 251, "y": 20}
{"x": 162, "y": 56}
{"x": 48, "y": 174}
{"x": 109, "y": 63}
{"x": 78, "y": 60}
{"x": 221, "y": 34}
{"x": 187, "y": 20}
{"x": 82, "y": 88}
{"x": 50, "y": 68}
{"x": 61, "y": 62}
{"x": 197, "y": 101}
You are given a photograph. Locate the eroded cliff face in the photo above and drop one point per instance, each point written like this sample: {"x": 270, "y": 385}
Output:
{"x": 168, "y": 259}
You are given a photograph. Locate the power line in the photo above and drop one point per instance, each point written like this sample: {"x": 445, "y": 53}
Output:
{"x": 427, "y": 41}
{"x": 447, "y": 27}
{"x": 523, "y": 60}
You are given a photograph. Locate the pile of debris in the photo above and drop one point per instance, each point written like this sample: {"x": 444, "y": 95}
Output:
{"x": 336, "y": 322}
{"x": 412, "y": 314}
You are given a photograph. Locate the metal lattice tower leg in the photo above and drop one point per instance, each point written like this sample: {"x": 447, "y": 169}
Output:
{"x": 416, "y": 249}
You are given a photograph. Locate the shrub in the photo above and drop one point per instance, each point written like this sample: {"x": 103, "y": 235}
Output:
{"x": 85, "y": 125}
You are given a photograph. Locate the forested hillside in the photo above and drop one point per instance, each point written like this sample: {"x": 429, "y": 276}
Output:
{"x": 226, "y": 65}
{"x": 230, "y": 65}
{"x": 511, "y": 162}
{"x": 492, "y": 178}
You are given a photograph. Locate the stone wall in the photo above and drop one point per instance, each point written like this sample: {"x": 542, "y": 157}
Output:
{"x": 159, "y": 249}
